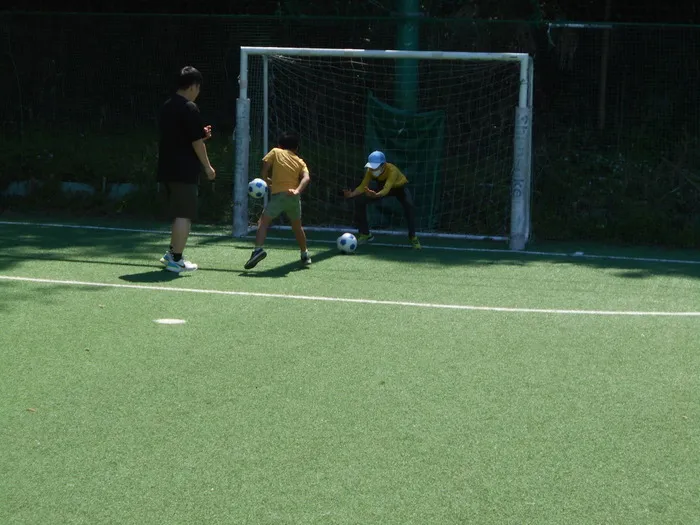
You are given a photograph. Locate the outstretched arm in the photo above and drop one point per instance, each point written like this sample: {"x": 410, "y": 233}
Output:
{"x": 360, "y": 189}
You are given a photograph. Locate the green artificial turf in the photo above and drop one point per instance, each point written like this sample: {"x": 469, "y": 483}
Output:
{"x": 264, "y": 407}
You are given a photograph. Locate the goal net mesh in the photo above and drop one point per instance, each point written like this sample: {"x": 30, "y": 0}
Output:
{"x": 455, "y": 144}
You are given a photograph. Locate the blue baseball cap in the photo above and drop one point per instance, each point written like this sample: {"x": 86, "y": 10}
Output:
{"x": 375, "y": 159}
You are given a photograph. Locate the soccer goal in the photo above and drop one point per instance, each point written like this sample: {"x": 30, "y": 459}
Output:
{"x": 458, "y": 124}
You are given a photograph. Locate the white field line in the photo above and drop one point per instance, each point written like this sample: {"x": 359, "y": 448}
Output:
{"x": 349, "y": 300}
{"x": 577, "y": 255}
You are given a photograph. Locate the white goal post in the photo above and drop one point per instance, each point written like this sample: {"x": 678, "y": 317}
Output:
{"x": 517, "y": 218}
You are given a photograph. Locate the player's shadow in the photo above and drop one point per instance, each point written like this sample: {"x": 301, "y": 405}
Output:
{"x": 290, "y": 267}
{"x": 162, "y": 275}
{"x": 155, "y": 276}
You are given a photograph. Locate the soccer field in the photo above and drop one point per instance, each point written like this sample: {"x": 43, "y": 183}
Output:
{"x": 457, "y": 384}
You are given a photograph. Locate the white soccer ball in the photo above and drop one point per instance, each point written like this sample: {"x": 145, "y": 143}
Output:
{"x": 256, "y": 188}
{"x": 347, "y": 243}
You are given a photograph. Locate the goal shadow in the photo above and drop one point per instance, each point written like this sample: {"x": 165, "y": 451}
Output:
{"x": 626, "y": 264}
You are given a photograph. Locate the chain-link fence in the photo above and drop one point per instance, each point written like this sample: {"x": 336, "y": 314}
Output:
{"x": 617, "y": 117}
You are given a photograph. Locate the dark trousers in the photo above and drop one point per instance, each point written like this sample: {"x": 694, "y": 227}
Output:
{"x": 401, "y": 194}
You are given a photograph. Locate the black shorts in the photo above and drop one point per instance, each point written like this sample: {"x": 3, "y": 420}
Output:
{"x": 182, "y": 200}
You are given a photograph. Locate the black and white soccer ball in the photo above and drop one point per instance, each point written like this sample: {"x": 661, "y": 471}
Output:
{"x": 257, "y": 188}
{"x": 347, "y": 243}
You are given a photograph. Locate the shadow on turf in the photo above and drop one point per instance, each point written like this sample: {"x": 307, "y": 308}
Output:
{"x": 155, "y": 276}
{"x": 40, "y": 293}
{"x": 488, "y": 253}
{"x": 631, "y": 266}
{"x": 70, "y": 259}
{"x": 286, "y": 269}
{"x": 95, "y": 245}
{"x": 45, "y": 243}
{"x": 161, "y": 275}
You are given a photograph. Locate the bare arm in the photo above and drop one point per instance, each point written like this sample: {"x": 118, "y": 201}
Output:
{"x": 304, "y": 182}
{"x": 265, "y": 171}
{"x": 201, "y": 150}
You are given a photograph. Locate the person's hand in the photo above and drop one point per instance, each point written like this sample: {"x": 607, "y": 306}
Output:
{"x": 371, "y": 193}
{"x": 207, "y": 132}
{"x": 210, "y": 172}
{"x": 292, "y": 191}
{"x": 347, "y": 194}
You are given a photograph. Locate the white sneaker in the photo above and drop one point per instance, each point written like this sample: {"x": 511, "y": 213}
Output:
{"x": 180, "y": 266}
{"x": 168, "y": 257}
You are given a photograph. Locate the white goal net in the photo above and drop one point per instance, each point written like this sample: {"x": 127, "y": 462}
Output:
{"x": 457, "y": 124}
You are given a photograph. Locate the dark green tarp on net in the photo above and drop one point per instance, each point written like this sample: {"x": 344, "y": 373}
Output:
{"x": 415, "y": 143}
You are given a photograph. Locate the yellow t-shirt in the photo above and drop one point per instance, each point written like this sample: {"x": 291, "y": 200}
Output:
{"x": 391, "y": 177}
{"x": 287, "y": 169}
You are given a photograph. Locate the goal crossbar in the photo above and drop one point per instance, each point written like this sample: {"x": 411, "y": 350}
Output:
{"x": 522, "y": 161}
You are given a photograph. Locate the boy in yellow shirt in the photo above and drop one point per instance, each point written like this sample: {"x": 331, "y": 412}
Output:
{"x": 286, "y": 175}
{"x": 395, "y": 182}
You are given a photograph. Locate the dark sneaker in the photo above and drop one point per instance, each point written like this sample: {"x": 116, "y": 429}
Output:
{"x": 258, "y": 255}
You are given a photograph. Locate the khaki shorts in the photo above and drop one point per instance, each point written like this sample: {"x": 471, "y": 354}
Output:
{"x": 182, "y": 200}
{"x": 280, "y": 203}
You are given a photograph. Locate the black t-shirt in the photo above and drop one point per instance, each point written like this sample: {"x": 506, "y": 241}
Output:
{"x": 180, "y": 125}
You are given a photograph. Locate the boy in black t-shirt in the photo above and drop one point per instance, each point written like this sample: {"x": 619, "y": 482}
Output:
{"x": 182, "y": 155}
